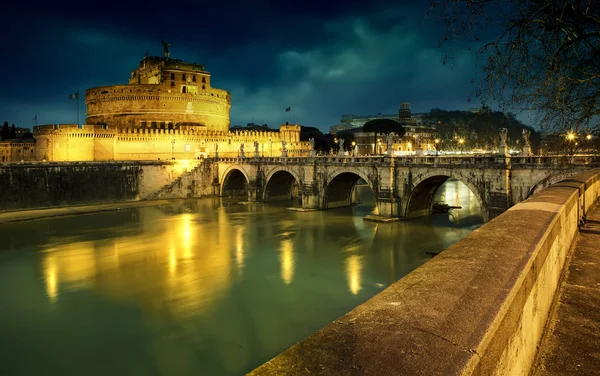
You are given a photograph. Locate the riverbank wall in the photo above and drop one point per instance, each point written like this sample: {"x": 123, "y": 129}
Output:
{"x": 31, "y": 185}
{"x": 478, "y": 308}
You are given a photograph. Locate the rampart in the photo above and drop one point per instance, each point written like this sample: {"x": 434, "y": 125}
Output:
{"x": 478, "y": 308}
{"x": 68, "y": 142}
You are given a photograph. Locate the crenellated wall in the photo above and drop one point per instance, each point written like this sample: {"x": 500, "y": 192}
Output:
{"x": 68, "y": 142}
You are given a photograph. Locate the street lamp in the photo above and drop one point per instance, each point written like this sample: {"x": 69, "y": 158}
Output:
{"x": 461, "y": 141}
{"x": 570, "y": 136}
{"x": 353, "y": 147}
{"x": 437, "y": 146}
{"x": 589, "y": 137}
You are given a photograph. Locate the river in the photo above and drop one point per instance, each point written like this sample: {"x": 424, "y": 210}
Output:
{"x": 198, "y": 287}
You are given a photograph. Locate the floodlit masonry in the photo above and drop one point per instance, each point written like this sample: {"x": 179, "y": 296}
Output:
{"x": 169, "y": 110}
{"x": 69, "y": 142}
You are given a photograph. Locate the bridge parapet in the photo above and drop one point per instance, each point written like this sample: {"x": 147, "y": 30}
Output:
{"x": 478, "y": 308}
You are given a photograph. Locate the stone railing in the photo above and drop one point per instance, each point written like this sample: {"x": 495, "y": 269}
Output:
{"x": 478, "y": 308}
{"x": 434, "y": 161}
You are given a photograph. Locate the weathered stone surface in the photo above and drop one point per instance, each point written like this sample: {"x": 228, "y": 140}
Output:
{"x": 572, "y": 343}
{"x": 34, "y": 185}
{"x": 403, "y": 187}
{"x": 478, "y": 308}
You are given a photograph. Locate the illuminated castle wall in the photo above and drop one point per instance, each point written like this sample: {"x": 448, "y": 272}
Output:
{"x": 168, "y": 110}
{"x": 68, "y": 142}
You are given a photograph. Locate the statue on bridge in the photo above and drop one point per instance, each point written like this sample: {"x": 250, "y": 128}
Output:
{"x": 242, "y": 151}
{"x": 216, "y": 150}
{"x": 312, "y": 146}
{"x": 341, "y": 146}
{"x": 390, "y": 144}
{"x": 256, "y": 152}
{"x": 503, "y": 146}
{"x": 283, "y": 149}
{"x": 527, "y": 146}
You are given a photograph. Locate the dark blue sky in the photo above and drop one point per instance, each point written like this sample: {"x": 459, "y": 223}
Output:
{"x": 323, "y": 59}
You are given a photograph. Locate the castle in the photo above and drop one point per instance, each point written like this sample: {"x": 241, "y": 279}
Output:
{"x": 169, "y": 110}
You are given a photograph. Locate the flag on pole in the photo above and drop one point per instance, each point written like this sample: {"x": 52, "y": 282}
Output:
{"x": 288, "y": 109}
{"x": 74, "y": 95}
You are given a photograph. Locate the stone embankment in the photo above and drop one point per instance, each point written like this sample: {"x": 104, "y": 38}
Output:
{"x": 32, "y": 185}
{"x": 478, "y": 308}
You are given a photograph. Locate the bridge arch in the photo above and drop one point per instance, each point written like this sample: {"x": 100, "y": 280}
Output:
{"x": 420, "y": 200}
{"x": 340, "y": 187}
{"x": 281, "y": 185}
{"x": 235, "y": 182}
{"x": 549, "y": 180}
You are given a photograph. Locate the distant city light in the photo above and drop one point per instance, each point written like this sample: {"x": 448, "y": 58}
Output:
{"x": 571, "y": 136}
{"x": 589, "y": 136}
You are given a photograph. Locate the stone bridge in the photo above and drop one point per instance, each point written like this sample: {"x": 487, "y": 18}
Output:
{"x": 404, "y": 187}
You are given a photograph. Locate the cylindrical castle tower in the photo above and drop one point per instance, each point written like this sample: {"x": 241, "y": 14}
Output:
{"x": 163, "y": 93}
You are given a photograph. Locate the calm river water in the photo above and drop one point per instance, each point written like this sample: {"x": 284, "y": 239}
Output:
{"x": 199, "y": 287}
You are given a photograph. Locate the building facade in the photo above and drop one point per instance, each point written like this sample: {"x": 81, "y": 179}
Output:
{"x": 17, "y": 149}
{"x": 418, "y": 135}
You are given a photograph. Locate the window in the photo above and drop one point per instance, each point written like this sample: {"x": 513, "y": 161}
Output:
{"x": 172, "y": 83}
{"x": 203, "y": 87}
{"x": 172, "y": 76}
{"x": 183, "y": 77}
{"x": 184, "y": 89}
{"x": 194, "y": 78}
{"x": 187, "y": 147}
{"x": 203, "y": 80}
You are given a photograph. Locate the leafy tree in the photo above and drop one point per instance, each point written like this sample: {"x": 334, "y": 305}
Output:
{"x": 479, "y": 131}
{"x": 383, "y": 126}
{"x": 323, "y": 143}
{"x": 13, "y": 132}
{"x": 5, "y": 131}
{"x": 539, "y": 55}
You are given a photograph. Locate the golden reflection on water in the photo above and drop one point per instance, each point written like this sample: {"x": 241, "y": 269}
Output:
{"x": 239, "y": 249}
{"x": 353, "y": 269}
{"x": 51, "y": 283}
{"x": 287, "y": 261}
{"x": 189, "y": 270}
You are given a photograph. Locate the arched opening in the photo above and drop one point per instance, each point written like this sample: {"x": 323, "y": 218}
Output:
{"x": 235, "y": 184}
{"x": 282, "y": 186}
{"x": 347, "y": 189}
{"x": 447, "y": 197}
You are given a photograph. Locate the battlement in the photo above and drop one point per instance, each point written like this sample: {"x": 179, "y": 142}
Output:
{"x": 148, "y": 92}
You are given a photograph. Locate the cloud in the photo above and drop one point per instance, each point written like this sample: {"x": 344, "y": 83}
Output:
{"x": 322, "y": 68}
{"x": 362, "y": 69}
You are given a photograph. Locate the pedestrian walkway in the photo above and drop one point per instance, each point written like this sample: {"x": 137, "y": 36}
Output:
{"x": 572, "y": 344}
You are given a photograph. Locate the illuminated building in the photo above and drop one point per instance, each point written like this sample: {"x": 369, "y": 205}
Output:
{"x": 168, "y": 110}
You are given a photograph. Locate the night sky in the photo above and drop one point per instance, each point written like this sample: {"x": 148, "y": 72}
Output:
{"x": 323, "y": 59}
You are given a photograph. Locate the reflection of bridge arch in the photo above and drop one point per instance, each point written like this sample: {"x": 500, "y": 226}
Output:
{"x": 282, "y": 184}
{"x": 339, "y": 188}
{"x": 235, "y": 182}
{"x": 420, "y": 200}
